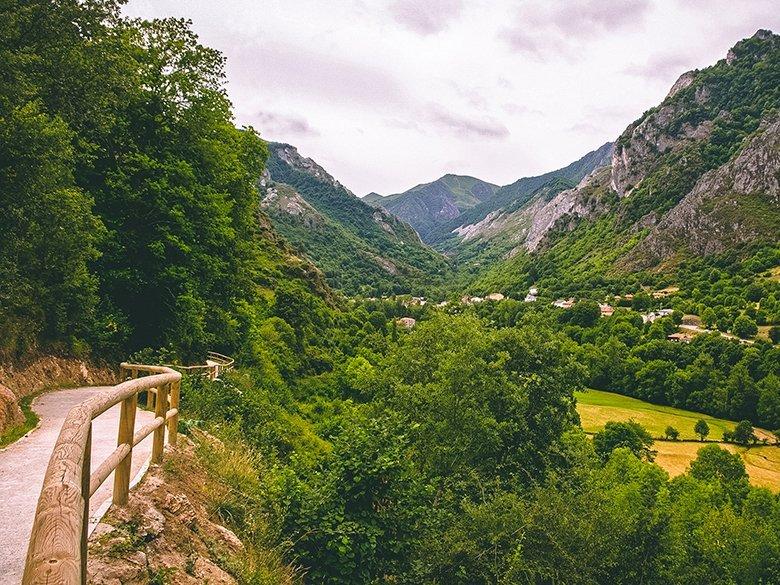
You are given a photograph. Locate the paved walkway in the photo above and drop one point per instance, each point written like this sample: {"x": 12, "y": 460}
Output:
{"x": 23, "y": 465}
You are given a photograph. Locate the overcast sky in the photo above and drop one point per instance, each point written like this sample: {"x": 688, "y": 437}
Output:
{"x": 386, "y": 94}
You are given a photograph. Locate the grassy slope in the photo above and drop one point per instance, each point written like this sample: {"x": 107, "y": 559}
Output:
{"x": 596, "y": 407}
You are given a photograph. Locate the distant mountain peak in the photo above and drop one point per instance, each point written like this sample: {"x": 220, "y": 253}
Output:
{"x": 290, "y": 155}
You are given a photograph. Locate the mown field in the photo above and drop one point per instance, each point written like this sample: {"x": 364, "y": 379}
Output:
{"x": 596, "y": 407}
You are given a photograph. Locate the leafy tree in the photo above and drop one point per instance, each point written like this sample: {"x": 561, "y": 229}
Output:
{"x": 774, "y": 334}
{"x": 708, "y": 318}
{"x": 713, "y": 463}
{"x": 701, "y": 428}
{"x": 744, "y": 327}
{"x": 743, "y": 432}
{"x": 584, "y": 313}
{"x": 630, "y": 435}
{"x": 671, "y": 433}
{"x": 768, "y": 408}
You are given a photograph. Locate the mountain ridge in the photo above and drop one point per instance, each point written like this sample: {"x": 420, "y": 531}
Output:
{"x": 362, "y": 249}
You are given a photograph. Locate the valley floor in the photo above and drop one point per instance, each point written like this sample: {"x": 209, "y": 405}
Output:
{"x": 596, "y": 407}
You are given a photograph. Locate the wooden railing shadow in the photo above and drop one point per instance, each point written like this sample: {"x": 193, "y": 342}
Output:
{"x": 57, "y": 552}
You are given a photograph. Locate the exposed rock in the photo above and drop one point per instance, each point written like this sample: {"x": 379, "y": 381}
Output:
{"x": 285, "y": 199}
{"x": 709, "y": 219}
{"x": 575, "y": 202}
{"x": 208, "y": 572}
{"x": 638, "y": 149}
{"x": 10, "y": 412}
{"x": 383, "y": 218}
{"x": 386, "y": 265}
{"x": 290, "y": 155}
{"x": 49, "y": 371}
{"x": 682, "y": 82}
{"x": 164, "y": 532}
{"x": 41, "y": 372}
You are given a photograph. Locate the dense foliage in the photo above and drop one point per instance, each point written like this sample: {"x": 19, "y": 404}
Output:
{"x": 128, "y": 201}
{"x": 360, "y": 451}
{"x": 452, "y": 454}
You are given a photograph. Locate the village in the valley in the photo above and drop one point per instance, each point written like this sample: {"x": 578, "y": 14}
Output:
{"x": 689, "y": 327}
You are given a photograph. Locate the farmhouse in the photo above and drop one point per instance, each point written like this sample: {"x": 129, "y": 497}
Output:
{"x": 406, "y": 322}
{"x": 564, "y": 303}
{"x": 495, "y": 297}
{"x": 606, "y": 309}
{"x": 680, "y": 337}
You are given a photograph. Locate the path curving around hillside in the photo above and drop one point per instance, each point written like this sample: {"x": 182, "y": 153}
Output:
{"x": 23, "y": 466}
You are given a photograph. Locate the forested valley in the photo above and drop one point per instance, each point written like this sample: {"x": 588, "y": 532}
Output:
{"x": 353, "y": 447}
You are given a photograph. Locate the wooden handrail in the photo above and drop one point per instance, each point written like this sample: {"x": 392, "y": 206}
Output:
{"x": 216, "y": 363}
{"x": 57, "y": 552}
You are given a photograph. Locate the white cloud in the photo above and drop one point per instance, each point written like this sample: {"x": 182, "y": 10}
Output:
{"x": 387, "y": 94}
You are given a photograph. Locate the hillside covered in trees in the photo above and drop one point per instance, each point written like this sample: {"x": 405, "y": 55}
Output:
{"x": 354, "y": 447}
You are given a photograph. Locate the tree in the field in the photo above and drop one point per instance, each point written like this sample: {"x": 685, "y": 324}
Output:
{"x": 708, "y": 318}
{"x": 630, "y": 435}
{"x": 701, "y": 428}
{"x": 743, "y": 432}
{"x": 671, "y": 433}
{"x": 713, "y": 463}
{"x": 744, "y": 327}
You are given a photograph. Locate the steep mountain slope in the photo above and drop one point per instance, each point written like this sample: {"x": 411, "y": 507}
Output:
{"x": 426, "y": 206}
{"x": 697, "y": 174}
{"x": 512, "y": 197}
{"x": 361, "y": 249}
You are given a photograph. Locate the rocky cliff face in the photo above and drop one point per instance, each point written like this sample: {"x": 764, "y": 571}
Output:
{"x": 696, "y": 175}
{"x": 580, "y": 202}
{"x": 734, "y": 204}
{"x": 638, "y": 148}
{"x": 290, "y": 155}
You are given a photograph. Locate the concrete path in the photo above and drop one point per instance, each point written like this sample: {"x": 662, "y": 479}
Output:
{"x": 23, "y": 465}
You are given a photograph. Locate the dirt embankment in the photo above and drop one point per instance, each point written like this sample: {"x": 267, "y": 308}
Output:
{"x": 39, "y": 373}
{"x": 165, "y": 534}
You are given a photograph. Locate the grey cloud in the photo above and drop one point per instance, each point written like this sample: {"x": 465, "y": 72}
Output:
{"x": 282, "y": 126}
{"x": 579, "y": 18}
{"x": 292, "y": 69}
{"x": 556, "y": 26}
{"x": 466, "y": 127}
{"x": 426, "y": 17}
{"x": 661, "y": 67}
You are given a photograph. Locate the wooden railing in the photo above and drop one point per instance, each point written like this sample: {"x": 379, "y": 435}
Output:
{"x": 57, "y": 552}
{"x": 215, "y": 365}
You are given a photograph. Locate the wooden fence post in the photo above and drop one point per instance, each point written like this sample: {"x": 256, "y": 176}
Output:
{"x": 173, "y": 424}
{"x": 86, "y": 471}
{"x": 126, "y": 430}
{"x": 161, "y": 407}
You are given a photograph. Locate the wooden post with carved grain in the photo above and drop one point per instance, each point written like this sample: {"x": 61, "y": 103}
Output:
{"x": 161, "y": 408}
{"x": 125, "y": 437}
{"x": 173, "y": 422}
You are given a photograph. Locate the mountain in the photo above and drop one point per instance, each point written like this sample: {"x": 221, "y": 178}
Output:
{"x": 426, "y": 206}
{"x": 696, "y": 175}
{"x": 360, "y": 248}
{"x": 516, "y": 194}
